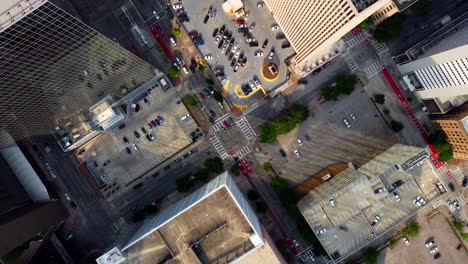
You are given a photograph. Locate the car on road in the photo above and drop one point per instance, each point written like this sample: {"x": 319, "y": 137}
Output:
{"x": 128, "y": 150}
{"x": 125, "y": 140}
{"x": 299, "y": 141}
{"x": 451, "y": 186}
{"x": 375, "y": 221}
{"x": 226, "y": 124}
{"x": 332, "y": 202}
{"x": 106, "y": 163}
{"x": 430, "y": 243}
{"x": 321, "y": 231}
{"x": 353, "y": 117}
{"x": 282, "y": 153}
{"x": 67, "y": 196}
{"x": 274, "y": 27}
{"x": 302, "y": 81}
{"x": 69, "y": 236}
{"x": 433, "y": 250}
{"x": 379, "y": 190}
{"x": 345, "y": 121}
{"x": 212, "y": 113}
{"x": 296, "y": 244}
{"x": 406, "y": 240}
{"x": 397, "y": 196}
{"x": 297, "y": 153}
{"x": 208, "y": 57}
{"x": 230, "y": 121}
{"x": 465, "y": 181}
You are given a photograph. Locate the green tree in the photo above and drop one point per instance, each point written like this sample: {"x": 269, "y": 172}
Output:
{"x": 173, "y": 72}
{"x": 379, "y": 98}
{"x": 370, "y": 256}
{"x": 411, "y": 229}
{"x": 366, "y": 23}
{"x": 386, "y": 111}
{"x": 267, "y": 133}
{"x": 201, "y": 68}
{"x": 261, "y": 207}
{"x": 235, "y": 169}
{"x": 389, "y": 28}
{"x": 218, "y": 96}
{"x": 459, "y": 225}
{"x": 176, "y": 32}
{"x": 209, "y": 81}
{"x": 393, "y": 242}
{"x": 253, "y": 195}
{"x": 202, "y": 175}
{"x": 279, "y": 184}
{"x": 329, "y": 93}
{"x": 396, "y": 126}
{"x": 214, "y": 165}
{"x": 266, "y": 166}
{"x": 345, "y": 84}
{"x": 190, "y": 100}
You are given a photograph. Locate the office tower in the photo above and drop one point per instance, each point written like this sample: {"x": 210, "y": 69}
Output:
{"x": 53, "y": 67}
{"x": 455, "y": 126}
{"x": 315, "y": 27}
{"x": 439, "y": 75}
{"x": 214, "y": 224}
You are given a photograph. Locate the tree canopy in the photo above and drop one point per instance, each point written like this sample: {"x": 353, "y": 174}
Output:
{"x": 389, "y": 28}
{"x": 190, "y": 100}
{"x": 214, "y": 165}
{"x": 173, "y": 72}
{"x": 396, "y": 126}
{"x": 411, "y": 229}
{"x": 379, "y": 98}
{"x": 344, "y": 85}
{"x": 283, "y": 124}
{"x": 176, "y": 32}
{"x": 440, "y": 143}
{"x": 218, "y": 96}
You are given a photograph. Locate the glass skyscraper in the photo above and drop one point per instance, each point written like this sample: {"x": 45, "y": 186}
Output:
{"x": 54, "y": 67}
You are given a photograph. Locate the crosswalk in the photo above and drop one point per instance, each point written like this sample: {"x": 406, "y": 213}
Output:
{"x": 244, "y": 151}
{"x": 373, "y": 68}
{"x": 218, "y": 146}
{"x": 381, "y": 48}
{"x": 355, "y": 40}
{"x": 350, "y": 61}
{"x": 246, "y": 129}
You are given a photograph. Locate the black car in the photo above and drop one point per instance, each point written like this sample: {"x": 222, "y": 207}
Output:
{"x": 206, "y": 19}
{"x": 167, "y": 167}
{"x": 125, "y": 140}
{"x": 315, "y": 72}
{"x": 343, "y": 228}
{"x": 307, "y": 138}
{"x": 253, "y": 44}
{"x": 223, "y": 27}
{"x": 437, "y": 255}
{"x": 233, "y": 62}
{"x": 265, "y": 43}
{"x": 397, "y": 184}
{"x": 128, "y": 150}
{"x": 215, "y": 32}
{"x": 282, "y": 153}
{"x": 464, "y": 181}
{"x": 106, "y": 163}
{"x": 212, "y": 113}
{"x": 451, "y": 186}
{"x": 459, "y": 247}
{"x": 73, "y": 205}
{"x": 243, "y": 62}
{"x": 211, "y": 119}
{"x": 220, "y": 44}
{"x": 144, "y": 130}
{"x": 137, "y": 135}
{"x": 122, "y": 126}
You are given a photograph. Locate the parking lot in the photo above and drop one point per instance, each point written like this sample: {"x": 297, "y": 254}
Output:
{"x": 222, "y": 30}
{"x": 361, "y": 210}
{"x": 123, "y": 164}
{"x": 330, "y": 140}
{"x": 437, "y": 228}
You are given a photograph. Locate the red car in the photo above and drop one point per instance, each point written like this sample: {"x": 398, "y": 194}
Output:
{"x": 193, "y": 34}
{"x": 240, "y": 21}
{"x": 153, "y": 124}
{"x": 226, "y": 124}
{"x": 202, "y": 96}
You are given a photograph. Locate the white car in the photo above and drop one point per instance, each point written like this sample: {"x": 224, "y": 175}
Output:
{"x": 220, "y": 105}
{"x": 353, "y": 117}
{"x": 177, "y": 6}
{"x": 416, "y": 202}
{"x": 208, "y": 57}
{"x": 321, "y": 231}
{"x": 235, "y": 47}
{"x": 296, "y": 244}
{"x": 450, "y": 203}
{"x": 297, "y": 153}
{"x": 397, "y": 196}
{"x": 332, "y": 202}
{"x": 248, "y": 40}
{"x": 185, "y": 70}
{"x": 406, "y": 240}
{"x": 457, "y": 205}
{"x": 259, "y": 54}
{"x": 67, "y": 196}
{"x": 135, "y": 146}
{"x": 275, "y": 27}
{"x": 299, "y": 141}
{"x": 375, "y": 221}
{"x": 429, "y": 243}
{"x": 345, "y": 121}
{"x": 270, "y": 56}
{"x": 242, "y": 26}
{"x": 252, "y": 85}
{"x": 421, "y": 200}
{"x": 433, "y": 250}
{"x": 257, "y": 83}
{"x": 260, "y": 5}
{"x": 237, "y": 53}
{"x": 184, "y": 117}
{"x": 218, "y": 38}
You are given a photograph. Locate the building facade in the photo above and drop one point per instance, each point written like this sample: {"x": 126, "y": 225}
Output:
{"x": 455, "y": 126}
{"x": 315, "y": 27}
{"x": 54, "y": 66}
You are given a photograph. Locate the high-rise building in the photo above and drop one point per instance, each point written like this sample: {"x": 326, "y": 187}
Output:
{"x": 440, "y": 75}
{"x": 315, "y": 27}
{"x": 455, "y": 126}
{"x": 214, "y": 224}
{"x": 53, "y": 66}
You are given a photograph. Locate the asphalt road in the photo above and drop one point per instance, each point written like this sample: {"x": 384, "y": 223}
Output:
{"x": 416, "y": 28}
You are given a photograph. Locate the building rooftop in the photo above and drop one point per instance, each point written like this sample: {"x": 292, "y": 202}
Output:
{"x": 213, "y": 224}
{"x": 346, "y": 205}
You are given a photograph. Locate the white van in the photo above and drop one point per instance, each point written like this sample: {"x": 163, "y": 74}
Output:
{"x": 173, "y": 41}
{"x": 185, "y": 117}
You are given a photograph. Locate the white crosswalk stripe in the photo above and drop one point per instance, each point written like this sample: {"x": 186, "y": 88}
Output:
{"x": 218, "y": 146}
{"x": 355, "y": 41}
{"x": 246, "y": 129}
{"x": 373, "y": 68}
{"x": 381, "y": 48}
{"x": 243, "y": 152}
{"x": 350, "y": 61}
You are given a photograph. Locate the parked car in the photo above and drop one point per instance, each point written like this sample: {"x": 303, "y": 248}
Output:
{"x": 345, "y": 121}
{"x": 299, "y": 141}
{"x": 437, "y": 255}
{"x": 143, "y": 130}
{"x": 282, "y": 153}
{"x": 208, "y": 57}
{"x": 128, "y": 150}
{"x": 451, "y": 186}
{"x": 307, "y": 138}
{"x": 379, "y": 190}
{"x": 297, "y": 153}
{"x": 433, "y": 250}
{"x": 465, "y": 181}
{"x": 406, "y": 240}
{"x": 274, "y": 27}
{"x": 258, "y": 54}
{"x": 226, "y": 124}
{"x": 321, "y": 231}
{"x": 429, "y": 243}
{"x": 272, "y": 53}
{"x": 397, "y": 184}
{"x": 332, "y": 202}
{"x": 343, "y": 228}
{"x": 375, "y": 221}
{"x": 125, "y": 140}
{"x": 177, "y": 6}
{"x": 67, "y": 196}
{"x": 121, "y": 126}
{"x": 353, "y": 117}
{"x": 135, "y": 147}
{"x": 106, "y": 163}
{"x": 137, "y": 135}
{"x": 160, "y": 119}
{"x": 397, "y": 196}
{"x": 265, "y": 43}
